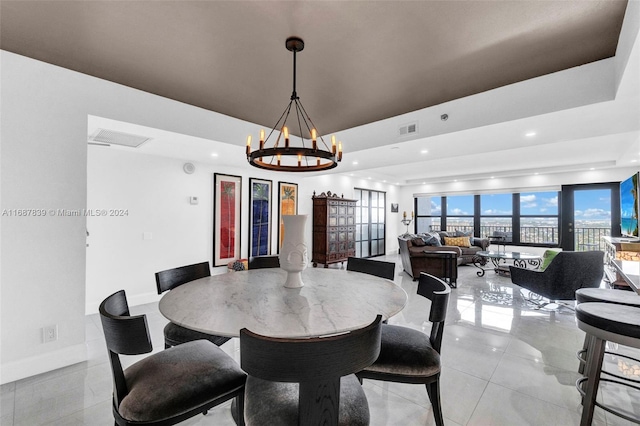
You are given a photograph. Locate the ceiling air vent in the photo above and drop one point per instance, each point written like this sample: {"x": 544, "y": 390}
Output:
{"x": 408, "y": 129}
{"x": 111, "y": 137}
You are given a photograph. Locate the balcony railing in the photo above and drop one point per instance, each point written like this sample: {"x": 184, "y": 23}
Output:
{"x": 586, "y": 238}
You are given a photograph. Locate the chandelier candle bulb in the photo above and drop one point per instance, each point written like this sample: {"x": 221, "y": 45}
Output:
{"x": 333, "y": 144}
{"x": 248, "y": 145}
{"x": 286, "y": 137}
{"x": 261, "y": 139}
{"x": 299, "y": 160}
{"x": 313, "y": 139}
{"x": 278, "y": 159}
{"x": 339, "y": 151}
{"x": 318, "y": 160}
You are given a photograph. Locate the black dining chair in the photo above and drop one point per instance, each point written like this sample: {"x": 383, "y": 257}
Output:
{"x": 171, "y": 278}
{"x": 259, "y": 262}
{"x": 167, "y": 387}
{"x": 307, "y": 381}
{"x": 410, "y": 356}
{"x": 372, "y": 267}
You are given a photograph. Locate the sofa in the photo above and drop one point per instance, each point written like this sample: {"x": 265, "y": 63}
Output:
{"x": 414, "y": 259}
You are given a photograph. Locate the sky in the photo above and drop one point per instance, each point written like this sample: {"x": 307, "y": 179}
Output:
{"x": 589, "y": 204}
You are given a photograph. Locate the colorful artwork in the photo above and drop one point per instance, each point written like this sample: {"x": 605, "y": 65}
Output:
{"x": 287, "y": 204}
{"x": 226, "y": 223}
{"x": 260, "y": 217}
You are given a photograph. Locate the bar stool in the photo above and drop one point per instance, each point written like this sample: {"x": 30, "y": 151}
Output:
{"x": 603, "y": 295}
{"x": 605, "y": 322}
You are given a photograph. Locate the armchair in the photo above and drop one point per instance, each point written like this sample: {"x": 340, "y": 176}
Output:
{"x": 566, "y": 273}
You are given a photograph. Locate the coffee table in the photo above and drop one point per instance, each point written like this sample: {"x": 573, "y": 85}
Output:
{"x": 520, "y": 260}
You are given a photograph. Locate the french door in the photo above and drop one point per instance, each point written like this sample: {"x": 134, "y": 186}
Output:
{"x": 588, "y": 213}
{"x": 370, "y": 222}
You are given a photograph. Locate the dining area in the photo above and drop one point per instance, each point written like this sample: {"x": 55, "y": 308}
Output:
{"x": 304, "y": 352}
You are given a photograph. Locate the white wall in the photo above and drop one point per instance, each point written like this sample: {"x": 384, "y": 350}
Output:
{"x": 155, "y": 193}
{"x": 43, "y": 257}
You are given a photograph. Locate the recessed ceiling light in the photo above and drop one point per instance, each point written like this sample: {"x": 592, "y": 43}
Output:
{"x": 493, "y": 177}
{"x": 351, "y": 174}
{"x": 369, "y": 178}
{"x": 384, "y": 181}
{"x": 214, "y": 154}
{"x": 424, "y": 151}
{"x": 354, "y": 163}
{"x": 634, "y": 161}
{"x": 592, "y": 168}
{"x": 424, "y": 183}
{"x": 530, "y": 134}
{"x": 536, "y": 173}
{"x": 455, "y": 180}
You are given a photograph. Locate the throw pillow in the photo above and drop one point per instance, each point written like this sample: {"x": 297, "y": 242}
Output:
{"x": 547, "y": 257}
{"x": 431, "y": 240}
{"x": 457, "y": 241}
{"x": 418, "y": 242}
{"x": 465, "y": 234}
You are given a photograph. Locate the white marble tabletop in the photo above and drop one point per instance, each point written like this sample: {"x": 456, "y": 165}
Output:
{"x": 331, "y": 301}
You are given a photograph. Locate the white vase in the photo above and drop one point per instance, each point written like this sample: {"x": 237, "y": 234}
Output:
{"x": 293, "y": 255}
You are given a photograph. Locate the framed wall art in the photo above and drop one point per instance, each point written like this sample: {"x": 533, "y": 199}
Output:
{"x": 287, "y": 204}
{"x": 260, "y": 217}
{"x": 227, "y": 193}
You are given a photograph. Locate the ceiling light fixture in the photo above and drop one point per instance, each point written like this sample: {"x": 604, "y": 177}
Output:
{"x": 530, "y": 134}
{"x": 284, "y": 157}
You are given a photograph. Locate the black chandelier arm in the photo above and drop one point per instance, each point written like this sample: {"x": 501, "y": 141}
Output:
{"x": 313, "y": 126}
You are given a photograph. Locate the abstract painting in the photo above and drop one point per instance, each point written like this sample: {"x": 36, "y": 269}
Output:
{"x": 287, "y": 204}
{"x": 260, "y": 217}
{"x": 226, "y": 218}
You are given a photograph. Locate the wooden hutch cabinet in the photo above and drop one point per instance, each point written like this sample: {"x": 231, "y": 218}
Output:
{"x": 334, "y": 228}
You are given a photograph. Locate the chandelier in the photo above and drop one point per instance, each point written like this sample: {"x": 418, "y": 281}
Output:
{"x": 282, "y": 154}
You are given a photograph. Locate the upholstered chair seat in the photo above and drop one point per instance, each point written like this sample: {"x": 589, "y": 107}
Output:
{"x": 408, "y": 352}
{"x": 211, "y": 370}
{"x": 278, "y": 402}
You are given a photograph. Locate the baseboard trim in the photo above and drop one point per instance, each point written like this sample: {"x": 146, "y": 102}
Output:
{"x": 27, "y": 367}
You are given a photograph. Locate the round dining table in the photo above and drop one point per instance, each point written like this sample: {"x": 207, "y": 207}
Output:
{"x": 331, "y": 301}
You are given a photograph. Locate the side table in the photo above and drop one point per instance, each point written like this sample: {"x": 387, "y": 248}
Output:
{"x": 447, "y": 263}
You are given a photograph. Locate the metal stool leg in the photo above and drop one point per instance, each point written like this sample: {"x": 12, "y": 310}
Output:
{"x": 592, "y": 369}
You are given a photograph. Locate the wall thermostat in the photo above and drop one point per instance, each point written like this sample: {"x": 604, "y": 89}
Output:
{"x": 193, "y": 200}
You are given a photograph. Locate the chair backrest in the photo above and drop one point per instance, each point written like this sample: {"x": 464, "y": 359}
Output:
{"x": 372, "y": 267}
{"x": 124, "y": 334}
{"x": 316, "y": 363}
{"x": 571, "y": 270}
{"x": 437, "y": 291}
{"x": 259, "y": 262}
{"x": 172, "y": 278}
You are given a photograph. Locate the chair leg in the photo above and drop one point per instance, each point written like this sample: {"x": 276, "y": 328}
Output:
{"x": 433, "y": 389}
{"x": 240, "y": 409}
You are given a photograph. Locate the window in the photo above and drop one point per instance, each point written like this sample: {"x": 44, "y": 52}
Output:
{"x": 428, "y": 214}
{"x": 496, "y": 215}
{"x": 528, "y": 218}
{"x": 460, "y": 213}
{"x": 539, "y": 218}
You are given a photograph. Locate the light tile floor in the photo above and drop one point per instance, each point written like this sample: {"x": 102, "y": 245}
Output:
{"x": 504, "y": 363}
